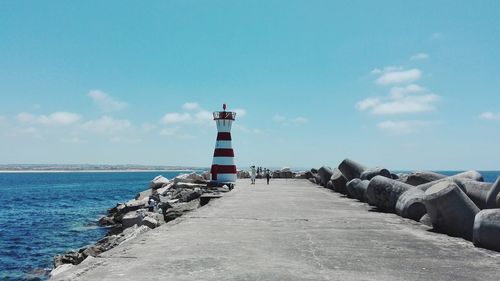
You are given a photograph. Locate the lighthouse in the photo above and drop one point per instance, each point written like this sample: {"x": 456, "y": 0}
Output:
{"x": 223, "y": 169}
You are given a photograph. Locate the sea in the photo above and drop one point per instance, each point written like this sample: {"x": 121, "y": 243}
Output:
{"x": 45, "y": 214}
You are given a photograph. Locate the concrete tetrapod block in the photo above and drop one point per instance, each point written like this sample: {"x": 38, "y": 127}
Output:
{"x": 325, "y": 173}
{"x": 472, "y": 174}
{"x": 492, "y": 196}
{"x": 486, "y": 232}
{"x": 477, "y": 191}
{"x": 421, "y": 177}
{"x": 339, "y": 181}
{"x": 357, "y": 189}
{"x": 351, "y": 169}
{"x": 411, "y": 204}
{"x": 384, "y": 192}
{"x": 450, "y": 210}
{"x": 368, "y": 174}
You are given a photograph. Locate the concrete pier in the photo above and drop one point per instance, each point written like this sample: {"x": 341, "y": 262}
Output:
{"x": 290, "y": 230}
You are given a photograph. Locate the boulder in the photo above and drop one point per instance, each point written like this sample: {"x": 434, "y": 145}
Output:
{"x": 187, "y": 185}
{"x": 106, "y": 221}
{"x": 150, "y": 222}
{"x": 486, "y": 230}
{"x": 411, "y": 204}
{"x": 384, "y": 192}
{"x": 144, "y": 194}
{"x": 351, "y": 169}
{"x": 338, "y": 181}
{"x": 368, "y": 174}
{"x": 188, "y": 195}
{"x": 206, "y": 175}
{"x": 132, "y": 218}
{"x": 325, "y": 173}
{"x": 180, "y": 209}
{"x": 472, "y": 175}
{"x": 158, "y": 182}
{"x": 450, "y": 210}
{"x": 162, "y": 191}
{"x": 189, "y": 178}
{"x": 70, "y": 257}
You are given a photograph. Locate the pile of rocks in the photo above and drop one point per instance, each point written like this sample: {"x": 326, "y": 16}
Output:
{"x": 127, "y": 220}
{"x": 462, "y": 205}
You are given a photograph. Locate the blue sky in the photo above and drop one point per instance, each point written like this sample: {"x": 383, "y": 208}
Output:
{"x": 397, "y": 84}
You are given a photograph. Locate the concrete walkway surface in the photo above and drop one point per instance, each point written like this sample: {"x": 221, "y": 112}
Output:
{"x": 290, "y": 230}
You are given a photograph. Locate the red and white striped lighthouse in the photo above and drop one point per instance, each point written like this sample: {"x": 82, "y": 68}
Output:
{"x": 223, "y": 169}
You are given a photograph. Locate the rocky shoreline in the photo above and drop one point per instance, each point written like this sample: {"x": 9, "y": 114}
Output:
{"x": 173, "y": 198}
{"x": 462, "y": 205}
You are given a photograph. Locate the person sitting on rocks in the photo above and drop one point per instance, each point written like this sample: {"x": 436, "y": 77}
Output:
{"x": 152, "y": 204}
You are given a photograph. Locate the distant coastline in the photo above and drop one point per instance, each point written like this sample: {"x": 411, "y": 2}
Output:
{"x": 90, "y": 168}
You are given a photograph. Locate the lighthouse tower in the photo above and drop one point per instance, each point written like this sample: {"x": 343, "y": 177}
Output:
{"x": 223, "y": 168}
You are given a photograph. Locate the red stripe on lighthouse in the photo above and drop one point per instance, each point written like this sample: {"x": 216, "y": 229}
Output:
{"x": 223, "y": 152}
{"x": 224, "y": 136}
{"x": 224, "y": 169}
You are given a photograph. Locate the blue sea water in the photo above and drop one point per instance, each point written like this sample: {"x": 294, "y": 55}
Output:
{"x": 45, "y": 214}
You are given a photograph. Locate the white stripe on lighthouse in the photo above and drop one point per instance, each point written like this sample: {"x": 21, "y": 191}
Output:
{"x": 223, "y": 144}
{"x": 226, "y": 177}
{"x": 223, "y": 161}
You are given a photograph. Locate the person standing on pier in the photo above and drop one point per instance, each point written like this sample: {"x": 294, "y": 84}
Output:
{"x": 252, "y": 174}
{"x": 268, "y": 175}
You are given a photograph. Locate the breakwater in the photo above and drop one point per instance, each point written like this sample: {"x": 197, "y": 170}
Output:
{"x": 460, "y": 205}
{"x": 163, "y": 201}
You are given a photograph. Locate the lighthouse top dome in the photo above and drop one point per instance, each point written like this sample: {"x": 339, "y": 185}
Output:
{"x": 226, "y": 115}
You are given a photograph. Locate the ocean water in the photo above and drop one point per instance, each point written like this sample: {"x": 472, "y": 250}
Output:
{"x": 45, "y": 214}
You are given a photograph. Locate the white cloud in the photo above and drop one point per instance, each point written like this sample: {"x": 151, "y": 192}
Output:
{"x": 174, "y": 118}
{"x": 191, "y": 106}
{"x": 419, "y": 56}
{"x": 175, "y": 133}
{"x": 240, "y": 112}
{"x": 119, "y": 139}
{"x": 287, "y": 121}
{"x": 148, "y": 127}
{"x": 390, "y": 68}
{"x": 107, "y": 124}
{"x": 70, "y": 140}
{"x": 279, "y": 118}
{"x": 402, "y": 127}
{"x": 399, "y": 76}
{"x": 105, "y": 102}
{"x": 401, "y": 100}
{"x": 300, "y": 120}
{"x": 56, "y": 118}
{"x": 490, "y": 115}
{"x": 367, "y": 103}
{"x": 399, "y": 92}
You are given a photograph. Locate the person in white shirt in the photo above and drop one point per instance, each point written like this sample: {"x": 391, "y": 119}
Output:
{"x": 252, "y": 174}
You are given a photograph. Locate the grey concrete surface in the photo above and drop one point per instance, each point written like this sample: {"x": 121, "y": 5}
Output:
{"x": 290, "y": 230}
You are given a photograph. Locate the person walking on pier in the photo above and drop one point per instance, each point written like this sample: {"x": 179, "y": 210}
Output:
{"x": 268, "y": 175}
{"x": 252, "y": 174}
